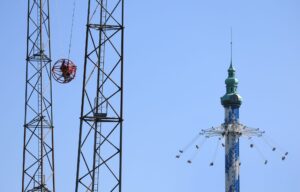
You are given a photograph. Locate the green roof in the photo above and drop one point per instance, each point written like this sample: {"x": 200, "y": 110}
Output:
{"x": 231, "y": 98}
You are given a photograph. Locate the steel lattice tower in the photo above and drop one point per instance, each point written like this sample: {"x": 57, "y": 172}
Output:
{"x": 99, "y": 162}
{"x": 38, "y": 151}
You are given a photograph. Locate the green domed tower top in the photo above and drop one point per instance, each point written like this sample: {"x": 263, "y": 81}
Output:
{"x": 231, "y": 98}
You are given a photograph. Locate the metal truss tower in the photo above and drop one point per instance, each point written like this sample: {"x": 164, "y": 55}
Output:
{"x": 99, "y": 162}
{"x": 38, "y": 151}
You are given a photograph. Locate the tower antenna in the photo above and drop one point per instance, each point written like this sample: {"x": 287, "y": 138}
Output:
{"x": 231, "y": 45}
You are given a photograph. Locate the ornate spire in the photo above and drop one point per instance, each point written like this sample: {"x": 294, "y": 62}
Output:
{"x": 231, "y": 82}
{"x": 231, "y": 98}
{"x": 231, "y": 70}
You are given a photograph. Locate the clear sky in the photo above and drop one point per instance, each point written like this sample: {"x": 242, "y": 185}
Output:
{"x": 176, "y": 59}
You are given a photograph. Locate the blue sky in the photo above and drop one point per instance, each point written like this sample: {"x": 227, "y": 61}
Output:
{"x": 176, "y": 59}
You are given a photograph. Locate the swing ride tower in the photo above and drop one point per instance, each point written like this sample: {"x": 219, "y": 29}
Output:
{"x": 38, "y": 150}
{"x": 229, "y": 134}
{"x": 231, "y": 130}
{"x": 231, "y": 102}
{"x": 99, "y": 162}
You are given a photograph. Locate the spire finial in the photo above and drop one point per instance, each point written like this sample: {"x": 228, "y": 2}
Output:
{"x": 231, "y": 47}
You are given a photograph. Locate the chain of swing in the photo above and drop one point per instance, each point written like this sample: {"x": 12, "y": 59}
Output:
{"x": 72, "y": 27}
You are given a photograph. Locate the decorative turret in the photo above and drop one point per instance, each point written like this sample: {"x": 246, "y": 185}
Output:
{"x": 231, "y": 98}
